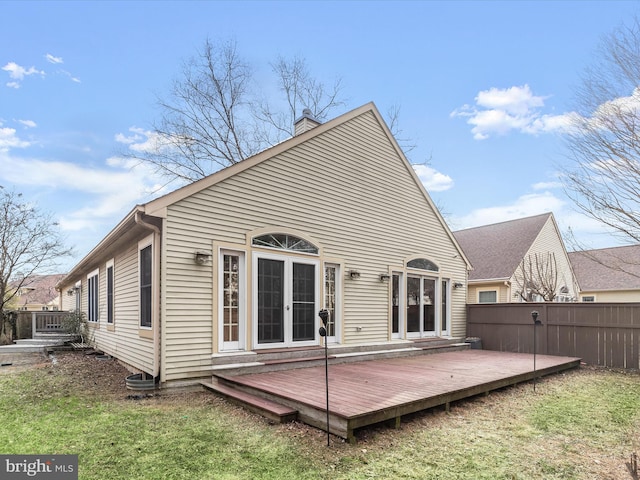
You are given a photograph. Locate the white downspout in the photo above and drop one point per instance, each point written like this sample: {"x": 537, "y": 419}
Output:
{"x": 155, "y": 295}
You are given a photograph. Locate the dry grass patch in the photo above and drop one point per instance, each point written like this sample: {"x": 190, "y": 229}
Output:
{"x": 582, "y": 424}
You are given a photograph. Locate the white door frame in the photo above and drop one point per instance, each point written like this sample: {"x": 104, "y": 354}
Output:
{"x": 288, "y": 260}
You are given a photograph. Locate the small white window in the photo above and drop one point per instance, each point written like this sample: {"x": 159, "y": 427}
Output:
{"x": 588, "y": 298}
{"x": 488, "y": 296}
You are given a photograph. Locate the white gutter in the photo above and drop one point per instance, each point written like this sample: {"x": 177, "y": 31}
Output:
{"x": 155, "y": 300}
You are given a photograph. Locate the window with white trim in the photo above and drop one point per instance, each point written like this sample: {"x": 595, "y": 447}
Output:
{"x": 488, "y": 296}
{"x": 332, "y": 300}
{"x": 92, "y": 296}
{"x": 110, "y": 289}
{"x": 284, "y": 241}
{"x": 231, "y": 300}
{"x": 588, "y": 298}
{"x": 422, "y": 264}
{"x": 146, "y": 286}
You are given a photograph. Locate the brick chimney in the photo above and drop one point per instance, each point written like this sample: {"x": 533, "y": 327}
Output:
{"x": 306, "y": 122}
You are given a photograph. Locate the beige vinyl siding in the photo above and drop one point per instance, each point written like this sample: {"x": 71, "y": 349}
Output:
{"x": 347, "y": 189}
{"x": 548, "y": 240}
{"x": 123, "y": 341}
{"x": 68, "y": 303}
{"x": 502, "y": 291}
{"x": 613, "y": 295}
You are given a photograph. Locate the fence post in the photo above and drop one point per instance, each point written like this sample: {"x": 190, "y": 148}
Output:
{"x": 546, "y": 328}
{"x": 34, "y": 327}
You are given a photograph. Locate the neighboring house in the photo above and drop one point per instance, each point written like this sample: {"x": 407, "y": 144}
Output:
{"x": 37, "y": 293}
{"x": 499, "y": 252}
{"x": 242, "y": 261}
{"x": 608, "y": 274}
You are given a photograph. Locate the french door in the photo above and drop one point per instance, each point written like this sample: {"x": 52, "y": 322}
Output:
{"x": 421, "y": 306}
{"x": 285, "y": 301}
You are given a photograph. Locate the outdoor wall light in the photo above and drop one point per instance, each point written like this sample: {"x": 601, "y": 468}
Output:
{"x": 384, "y": 277}
{"x": 73, "y": 291}
{"x": 534, "y": 316}
{"x": 202, "y": 258}
{"x": 457, "y": 285}
{"x": 354, "y": 274}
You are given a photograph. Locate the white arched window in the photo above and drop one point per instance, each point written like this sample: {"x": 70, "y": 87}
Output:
{"x": 284, "y": 241}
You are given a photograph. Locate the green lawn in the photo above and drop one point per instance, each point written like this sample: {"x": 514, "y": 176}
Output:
{"x": 579, "y": 425}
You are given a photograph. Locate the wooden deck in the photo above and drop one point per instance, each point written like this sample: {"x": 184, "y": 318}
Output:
{"x": 369, "y": 392}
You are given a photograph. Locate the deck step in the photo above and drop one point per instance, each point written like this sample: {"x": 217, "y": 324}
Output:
{"x": 271, "y": 410}
{"x": 295, "y": 360}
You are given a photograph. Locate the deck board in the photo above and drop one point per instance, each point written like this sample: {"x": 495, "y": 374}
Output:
{"x": 377, "y": 390}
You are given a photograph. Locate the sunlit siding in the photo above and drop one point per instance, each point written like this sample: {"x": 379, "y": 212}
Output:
{"x": 68, "y": 301}
{"x": 613, "y": 295}
{"x": 548, "y": 240}
{"x": 123, "y": 341}
{"x": 502, "y": 291}
{"x": 346, "y": 188}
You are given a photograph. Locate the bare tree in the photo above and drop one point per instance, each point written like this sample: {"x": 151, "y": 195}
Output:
{"x": 212, "y": 117}
{"x": 300, "y": 90}
{"x": 393, "y": 119}
{"x": 603, "y": 176}
{"x": 206, "y": 118}
{"x": 29, "y": 243}
{"x": 537, "y": 274}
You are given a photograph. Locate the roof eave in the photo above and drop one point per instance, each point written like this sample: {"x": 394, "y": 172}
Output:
{"x": 126, "y": 223}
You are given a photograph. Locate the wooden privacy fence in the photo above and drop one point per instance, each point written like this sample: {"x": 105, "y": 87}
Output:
{"x": 606, "y": 334}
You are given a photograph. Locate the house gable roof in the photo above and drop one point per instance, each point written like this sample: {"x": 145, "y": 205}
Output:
{"x": 496, "y": 250}
{"x": 616, "y": 268}
{"x": 158, "y": 207}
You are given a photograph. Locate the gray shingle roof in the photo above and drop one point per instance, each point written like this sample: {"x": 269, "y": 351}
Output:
{"x": 496, "y": 250}
{"x": 616, "y": 268}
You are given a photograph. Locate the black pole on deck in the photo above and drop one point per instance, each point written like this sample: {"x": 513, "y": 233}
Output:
{"x": 536, "y": 322}
{"x": 324, "y": 316}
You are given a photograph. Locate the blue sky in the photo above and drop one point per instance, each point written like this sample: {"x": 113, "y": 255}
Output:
{"x": 483, "y": 88}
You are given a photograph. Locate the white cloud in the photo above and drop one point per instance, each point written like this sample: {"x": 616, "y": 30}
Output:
{"x": 9, "y": 139}
{"x": 500, "y": 111}
{"x": 51, "y": 59}
{"x": 144, "y": 140}
{"x": 433, "y": 180}
{"x": 105, "y": 192}
{"x": 588, "y": 232}
{"x": 517, "y": 101}
{"x": 546, "y": 185}
{"x": 28, "y": 123}
{"x": 18, "y": 72}
{"x": 71, "y": 77}
{"x": 524, "y": 206}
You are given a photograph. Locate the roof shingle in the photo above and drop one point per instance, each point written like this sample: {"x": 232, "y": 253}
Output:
{"x": 616, "y": 268}
{"x": 496, "y": 250}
